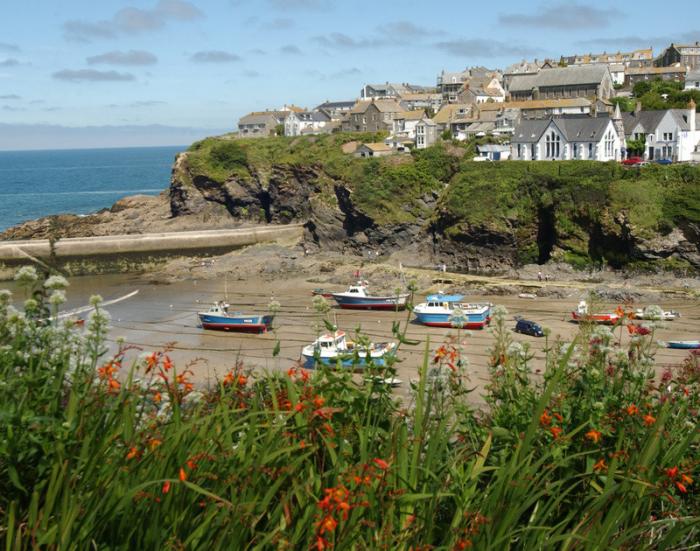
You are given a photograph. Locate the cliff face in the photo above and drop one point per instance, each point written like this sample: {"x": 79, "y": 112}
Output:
{"x": 478, "y": 216}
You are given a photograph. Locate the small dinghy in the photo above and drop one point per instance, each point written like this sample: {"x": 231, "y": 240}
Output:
{"x": 645, "y": 314}
{"x": 683, "y": 345}
{"x": 333, "y": 349}
{"x": 581, "y": 314}
{"x": 357, "y": 297}
{"x": 219, "y": 317}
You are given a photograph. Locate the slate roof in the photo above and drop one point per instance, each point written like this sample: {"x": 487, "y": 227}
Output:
{"x": 377, "y": 147}
{"x": 693, "y": 75}
{"x": 383, "y": 105}
{"x": 260, "y": 117}
{"x": 650, "y": 120}
{"x": 575, "y": 128}
{"x": 336, "y": 105}
{"x": 410, "y": 115}
{"x": 560, "y": 76}
{"x": 655, "y": 70}
{"x": 450, "y": 111}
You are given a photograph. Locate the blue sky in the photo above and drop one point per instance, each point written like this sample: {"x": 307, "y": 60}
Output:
{"x": 202, "y": 64}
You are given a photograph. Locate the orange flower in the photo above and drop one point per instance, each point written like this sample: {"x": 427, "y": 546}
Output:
{"x": 157, "y": 397}
{"x": 593, "y": 435}
{"x": 687, "y": 479}
{"x": 242, "y": 380}
{"x": 133, "y": 452}
{"x": 114, "y": 385}
{"x": 439, "y": 354}
{"x": 328, "y": 524}
{"x": 632, "y": 410}
{"x": 299, "y": 407}
{"x": 383, "y": 465}
{"x": 167, "y": 363}
{"x": 151, "y": 361}
{"x": 620, "y": 311}
{"x": 681, "y": 488}
{"x": 291, "y": 372}
{"x": 556, "y": 432}
{"x": 545, "y": 418}
{"x": 461, "y": 545}
{"x": 672, "y": 472}
{"x": 558, "y": 417}
{"x": 302, "y": 444}
{"x": 600, "y": 465}
{"x": 319, "y": 401}
{"x": 649, "y": 420}
{"x": 166, "y": 487}
{"x": 153, "y": 443}
{"x": 183, "y": 475}
{"x": 321, "y": 544}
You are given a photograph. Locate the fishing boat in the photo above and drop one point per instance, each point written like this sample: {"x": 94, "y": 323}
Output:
{"x": 357, "y": 297}
{"x": 219, "y": 317}
{"x": 439, "y": 311}
{"x": 581, "y": 314}
{"x": 645, "y": 314}
{"x": 334, "y": 349}
{"x": 321, "y": 292}
{"x": 683, "y": 345}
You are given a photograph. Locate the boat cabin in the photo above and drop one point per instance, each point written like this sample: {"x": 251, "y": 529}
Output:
{"x": 443, "y": 301}
{"x": 219, "y": 308}
{"x": 332, "y": 341}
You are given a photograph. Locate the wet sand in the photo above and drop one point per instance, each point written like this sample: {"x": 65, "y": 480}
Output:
{"x": 165, "y": 315}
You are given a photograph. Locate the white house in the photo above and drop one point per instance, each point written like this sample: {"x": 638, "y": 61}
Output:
{"x": 306, "y": 122}
{"x": 404, "y": 124}
{"x": 668, "y": 134}
{"x": 426, "y": 133}
{"x": 566, "y": 137}
{"x": 692, "y": 80}
{"x": 493, "y": 152}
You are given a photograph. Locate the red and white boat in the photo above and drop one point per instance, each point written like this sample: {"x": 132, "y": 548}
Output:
{"x": 581, "y": 314}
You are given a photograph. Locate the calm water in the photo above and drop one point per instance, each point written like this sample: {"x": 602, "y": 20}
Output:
{"x": 39, "y": 183}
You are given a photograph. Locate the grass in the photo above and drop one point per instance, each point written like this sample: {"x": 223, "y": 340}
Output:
{"x": 98, "y": 454}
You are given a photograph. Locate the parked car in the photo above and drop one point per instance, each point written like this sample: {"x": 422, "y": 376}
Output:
{"x": 527, "y": 327}
{"x": 664, "y": 161}
{"x": 633, "y": 161}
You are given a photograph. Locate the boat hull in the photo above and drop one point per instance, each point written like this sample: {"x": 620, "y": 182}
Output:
{"x": 443, "y": 320}
{"x": 684, "y": 345}
{"x": 603, "y": 319}
{"x": 344, "y": 361}
{"x": 370, "y": 303}
{"x": 237, "y": 324}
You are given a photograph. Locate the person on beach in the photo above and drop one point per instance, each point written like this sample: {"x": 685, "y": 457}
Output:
{"x": 539, "y": 276}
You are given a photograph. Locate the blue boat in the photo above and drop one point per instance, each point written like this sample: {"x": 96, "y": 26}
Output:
{"x": 357, "y": 298}
{"x": 218, "y": 317}
{"x": 684, "y": 345}
{"x": 333, "y": 349}
{"x": 439, "y": 311}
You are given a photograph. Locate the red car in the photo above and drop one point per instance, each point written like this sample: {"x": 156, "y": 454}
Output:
{"x": 631, "y": 161}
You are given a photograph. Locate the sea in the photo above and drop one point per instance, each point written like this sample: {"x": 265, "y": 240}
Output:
{"x": 78, "y": 181}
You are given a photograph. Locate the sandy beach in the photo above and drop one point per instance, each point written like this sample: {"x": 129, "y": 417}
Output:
{"x": 163, "y": 313}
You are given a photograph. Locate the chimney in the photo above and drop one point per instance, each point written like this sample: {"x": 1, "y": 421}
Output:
{"x": 691, "y": 115}
{"x": 637, "y": 108}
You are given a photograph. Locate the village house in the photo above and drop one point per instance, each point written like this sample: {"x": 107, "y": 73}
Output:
{"x": 617, "y": 72}
{"x": 371, "y": 116}
{"x": 635, "y": 58}
{"x": 584, "y": 81}
{"x": 692, "y": 80}
{"x": 567, "y": 137}
{"x": 449, "y": 85}
{"x": 258, "y": 124}
{"x": 426, "y": 133}
{"x": 390, "y": 90}
{"x": 688, "y": 55}
{"x": 418, "y": 101}
{"x": 452, "y": 112}
{"x": 404, "y": 124}
{"x": 379, "y": 149}
{"x": 335, "y": 110}
{"x": 493, "y": 152}
{"x": 668, "y": 134}
{"x": 306, "y": 122}
{"x": 675, "y": 72}
{"x": 543, "y": 108}
{"x": 481, "y": 90}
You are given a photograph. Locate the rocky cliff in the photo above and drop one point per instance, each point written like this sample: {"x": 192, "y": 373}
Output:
{"x": 430, "y": 206}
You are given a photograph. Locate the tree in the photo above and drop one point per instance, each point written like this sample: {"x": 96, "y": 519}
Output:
{"x": 636, "y": 147}
{"x": 446, "y": 135}
{"x": 279, "y": 130}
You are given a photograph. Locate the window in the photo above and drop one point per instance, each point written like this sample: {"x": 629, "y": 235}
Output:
{"x": 533, "y": 152}
{"x": 590, "y": 150}
{"x": 553, "y": 145}
{"x": 519, "y": 150}
{"x": 609, "y": 143}
{"x": 575, "y": 151}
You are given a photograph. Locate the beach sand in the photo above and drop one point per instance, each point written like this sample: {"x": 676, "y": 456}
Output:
{"x": 164, "y": 315}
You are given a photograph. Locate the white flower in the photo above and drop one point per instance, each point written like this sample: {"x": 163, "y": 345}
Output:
{"x": 30, "y": 305}
{"x": 499, "y": 311}
{"x": 56, "y": 282}
{"x": 5, "y": 297}
{"x": 57, "y": 298}
{"x": 95, "y": 300}
{"x": 26, "y": 275}
{"x": 653, "y": 312}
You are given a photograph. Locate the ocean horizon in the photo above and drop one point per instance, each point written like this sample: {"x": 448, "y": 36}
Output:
{"x": 36, "y": 183}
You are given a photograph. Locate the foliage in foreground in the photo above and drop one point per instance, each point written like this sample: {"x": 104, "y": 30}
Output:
{"x": 591, "y": 454}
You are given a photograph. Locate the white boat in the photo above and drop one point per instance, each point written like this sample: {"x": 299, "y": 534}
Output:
{"x": 645, "y": 314}
{"x": 439, "y": 311}
{"x": 357, "y": 297}
{"x": 334, "y": 349}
